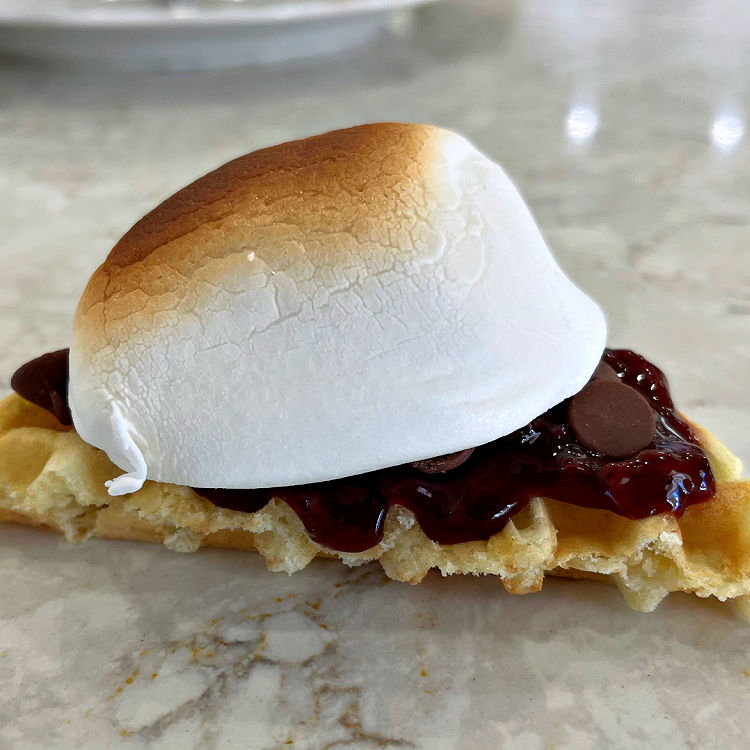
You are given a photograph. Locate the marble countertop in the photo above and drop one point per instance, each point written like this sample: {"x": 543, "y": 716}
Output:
{"x": 625, "y": 126}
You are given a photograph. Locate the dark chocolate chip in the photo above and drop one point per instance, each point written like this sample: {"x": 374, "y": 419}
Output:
{"x": 611, "y": 418}
{"x": 441, "y": 464}
{"x": 44, "y": 382}
{"x": 605, "y": 372}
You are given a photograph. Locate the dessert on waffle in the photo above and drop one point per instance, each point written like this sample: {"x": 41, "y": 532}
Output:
{"x": 359, "y": 346}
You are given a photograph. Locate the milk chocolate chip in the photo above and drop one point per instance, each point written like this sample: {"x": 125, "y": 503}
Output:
{"x": 611, "y": 418}
{"x": 605, "y": 372}
{"x": 441, "y": 464}
{"x": 44, "y": 382}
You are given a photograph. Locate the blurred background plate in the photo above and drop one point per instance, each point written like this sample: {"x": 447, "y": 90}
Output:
{"x": 183, "y": 34}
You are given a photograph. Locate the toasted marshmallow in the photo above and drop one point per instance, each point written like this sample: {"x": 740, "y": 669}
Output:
{"x": 324, "y": 308}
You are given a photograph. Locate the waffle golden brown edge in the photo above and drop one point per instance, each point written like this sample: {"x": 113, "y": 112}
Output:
{"x": 49, "y": 477}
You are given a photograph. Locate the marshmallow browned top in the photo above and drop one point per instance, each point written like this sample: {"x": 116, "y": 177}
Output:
{"x": 322, "y": 308}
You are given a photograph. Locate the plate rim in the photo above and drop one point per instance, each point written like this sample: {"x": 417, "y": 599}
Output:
{"x": 265, "y": 13}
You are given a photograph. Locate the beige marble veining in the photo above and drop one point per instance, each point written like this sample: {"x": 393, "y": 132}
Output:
{"x": 625, "y": 126}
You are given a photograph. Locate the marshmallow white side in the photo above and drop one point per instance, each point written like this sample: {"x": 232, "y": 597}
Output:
{"x": 279, "y": 371}
{"x": 122, "y": 447}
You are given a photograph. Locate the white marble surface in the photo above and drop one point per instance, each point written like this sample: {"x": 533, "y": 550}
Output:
{"x": 625, "y": 127}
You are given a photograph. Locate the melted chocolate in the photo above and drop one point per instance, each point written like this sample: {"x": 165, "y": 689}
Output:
{"x": 44, "y": 382}
{"x": 476, "y": 500}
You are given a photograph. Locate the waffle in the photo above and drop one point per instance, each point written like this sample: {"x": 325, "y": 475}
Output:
{"x": 50, "y": 477}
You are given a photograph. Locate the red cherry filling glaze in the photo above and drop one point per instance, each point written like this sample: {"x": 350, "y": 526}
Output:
{"x": 617, "y": 445}
{"x": 666, "y": 472}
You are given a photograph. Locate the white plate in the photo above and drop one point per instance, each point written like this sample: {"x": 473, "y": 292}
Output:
{"x": 182, "y": 35}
